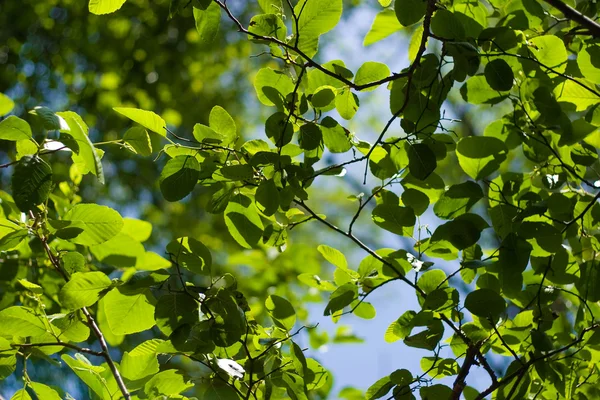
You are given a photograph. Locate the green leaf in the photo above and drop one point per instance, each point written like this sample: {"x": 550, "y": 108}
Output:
{"x": 175, "y": 310}
{"x": 316, "y": 17}
{"x": 13, "y": 239}
{"x": 415, "y": 43}
{"x": 462, "y": 232}
{"x": 72, "y": 327}
{"x": 571, "y": 92}
{"x": 477, "y": 91}
{"x": 191, "y": 255}
{"x": 457, "y": 200}
{"x": 147, "y": 119}
{"x": 435, "y": 392}
{"x": 129, "y": 312}
{"x": 384, "y": 25}
{"x": 121, "y": 251}
{"x": 588, "y": 61}
{"x": 139, "y": 140}
{"x": 217, "y": 390}
{"x": 393, "y": 218}
{"x": 91, "y": 224}
{"x": 323, "y": 96}
{"x": 270, "y": 6}
{"x": 137, "y": 229}
{"x": 480, "y": 156}
{"x": 310, "y": 136}
{"x": 21, "y": 394}
{"x": 31, "y": 182}
{"x": 431, "y": 280}
{"x": 499, "y": 75}
{"x": 90, "y": 374}
{"x": 50, "y": 120}
{"x": 379, "y": 388}
{"x": 427, "y": 339}
{"x": 346, "y": 103}
{"x": 371, "y": 71}
{"x": 179, "y": 177}
{"x": 445, "y": 24}
{"x": 30, "y": 286}
{"x": 81, "y": 143}
{"x": 6, "y": 104}
{"x": 207, "y": 22}
{"x": 335, "y": 136}
{"x": 416, "y": 200}
{"x": 485, "y": 303}
{"x": 267, "y": 197}
{"x": 410, "y": 12}
{"x": 342, "y": 297}
{"x": 421, "y": 160}
{"x": 279, "y": 129}
{"x": 334, "y": 256}
{"x": 281, "y": 311}
{"x": 272, "y": 87}
{"x": 141, "y": 361}
{"x": 43, "y": 391}
{"x": 550, "y": 51}
{"x": 83, "y": 289}
{"x": 21, "y": 321}
{"x": 204, "y": 134}
{"x": 14, "y": 128}
{"x": 364, "y": 310}
{"x": 221, "y": 122}
{"x": 100, "y": 7}
{"x": 269, "y": 25}
{"x": 243, "y": 221}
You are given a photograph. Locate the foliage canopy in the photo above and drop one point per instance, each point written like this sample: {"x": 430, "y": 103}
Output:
{"x": 501, "y": 225}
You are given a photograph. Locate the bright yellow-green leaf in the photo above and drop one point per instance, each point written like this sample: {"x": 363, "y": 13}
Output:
{"x": 371, "y": 71}
{"x": 83, "y": 289}
{"x": 574, "y": 93}
{"x": 207, "y": 22}
{"x": 6, "y": 104}
{"x": 100, "y": 7}
{"x": 129, "y": 312}
{"x": 589, "y": 63}
{"x": 384, "y": 25}
{"x": 81, "y": 143}
{"x": 90, "y": 223}
{"x": 550, "y": 51}
{"x": 316, "y": 18}
{"x": 147, "y": 119}
{"x": 346, "y": 103}
{"x": 21, "y": 321}
{"x": 14, "y": 128}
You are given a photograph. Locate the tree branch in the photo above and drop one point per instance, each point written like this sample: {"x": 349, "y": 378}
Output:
{"x": 576, "y": 16}
{"x": 494, "y": 386}
{"x": 92, "y": 324}
{"x": 59, "y": 343}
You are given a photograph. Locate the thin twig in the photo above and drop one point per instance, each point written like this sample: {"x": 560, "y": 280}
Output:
{"x": 63, "y": 344}
{"x": 92, "y": 324}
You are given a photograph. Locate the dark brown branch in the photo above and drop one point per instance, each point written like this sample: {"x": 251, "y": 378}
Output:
{"x": 574, "y": 15}
{"x": 459, "y": 382}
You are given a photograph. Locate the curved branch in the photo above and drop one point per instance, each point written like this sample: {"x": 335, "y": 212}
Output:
{"x": 576, "y": 16}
